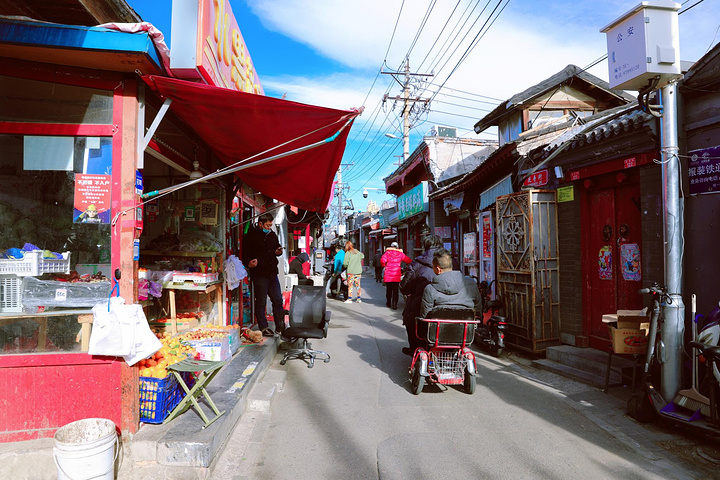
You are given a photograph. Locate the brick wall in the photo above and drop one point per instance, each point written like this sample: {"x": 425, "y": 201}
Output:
{"x": 651, "y": 219}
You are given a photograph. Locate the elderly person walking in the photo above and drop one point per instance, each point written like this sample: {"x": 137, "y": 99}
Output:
{"x": 392, "y": 260}
{"x": 353, "y": 262}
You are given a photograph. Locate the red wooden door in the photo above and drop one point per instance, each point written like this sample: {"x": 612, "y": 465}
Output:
{"x": 611, "y": 256}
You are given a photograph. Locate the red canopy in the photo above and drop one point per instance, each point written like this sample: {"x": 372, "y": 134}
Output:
{"x": 238, "y": 125}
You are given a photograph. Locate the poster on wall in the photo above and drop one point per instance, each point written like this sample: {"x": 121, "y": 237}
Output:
{"x": 605, "y": 263}
{"x": 470, "y": 248}
{"x": 630, "y": 261}
{"x": 704, "y": 170}
{"x": 92, "y": 198}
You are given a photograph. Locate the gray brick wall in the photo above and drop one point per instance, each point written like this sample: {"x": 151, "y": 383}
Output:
{"x": 651, "y": 218}
{"x": 569, "y": 244}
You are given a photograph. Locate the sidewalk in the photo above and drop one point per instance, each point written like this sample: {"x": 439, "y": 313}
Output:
{"x": 181, "y": 449}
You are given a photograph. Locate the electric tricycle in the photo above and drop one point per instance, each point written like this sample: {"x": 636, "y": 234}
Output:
{"x": 446, "y": 358}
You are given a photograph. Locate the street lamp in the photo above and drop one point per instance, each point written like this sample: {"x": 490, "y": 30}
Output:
{"x": 390, "y": 135}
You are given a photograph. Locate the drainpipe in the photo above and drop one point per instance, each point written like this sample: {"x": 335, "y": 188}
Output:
{"x": 672, "y": 330}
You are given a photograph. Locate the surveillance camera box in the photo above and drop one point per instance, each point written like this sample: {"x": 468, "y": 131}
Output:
{"x": 628, "y": 331}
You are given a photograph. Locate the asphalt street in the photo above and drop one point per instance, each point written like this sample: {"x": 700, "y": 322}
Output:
{"x": 356, "y": 418}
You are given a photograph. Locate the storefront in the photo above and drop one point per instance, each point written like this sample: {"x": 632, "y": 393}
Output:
{"x": 413, "y": 206}
{"x": 96, "y": 162}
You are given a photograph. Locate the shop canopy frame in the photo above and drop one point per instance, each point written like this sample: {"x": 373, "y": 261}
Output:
{"x": 289, "y": 151}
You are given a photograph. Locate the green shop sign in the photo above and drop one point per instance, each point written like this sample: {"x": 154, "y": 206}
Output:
{"x": 413, "y": 201}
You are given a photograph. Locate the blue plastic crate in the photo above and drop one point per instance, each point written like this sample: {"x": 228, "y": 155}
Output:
{"x": 158, "y": 396}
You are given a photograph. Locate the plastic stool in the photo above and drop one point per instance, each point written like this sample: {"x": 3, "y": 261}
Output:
{"x": 203, "y": 371}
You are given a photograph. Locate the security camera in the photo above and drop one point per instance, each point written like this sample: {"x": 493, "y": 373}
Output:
{"x": 365, "y": 193}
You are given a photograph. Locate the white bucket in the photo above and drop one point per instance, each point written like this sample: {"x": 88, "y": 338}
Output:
{"x": 86, "y": 449}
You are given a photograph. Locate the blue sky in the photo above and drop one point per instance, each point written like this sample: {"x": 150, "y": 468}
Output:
{"x": 329, "y": 52}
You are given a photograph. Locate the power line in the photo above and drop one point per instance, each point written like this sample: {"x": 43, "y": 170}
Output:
{"x": 440, "y": 34}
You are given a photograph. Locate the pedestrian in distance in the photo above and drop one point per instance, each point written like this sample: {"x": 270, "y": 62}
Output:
{"x": 418, "y": 275}
{"x": 354, "y": 263}
{"x": 392, "y": 260}
{"x": 296, "y": 267}
{"x": 377, "y": 265}
{"x": 449, "y": 288}
{"x": 261, "y": 248}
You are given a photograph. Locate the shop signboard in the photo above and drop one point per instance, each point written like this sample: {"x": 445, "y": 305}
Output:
{"x": 470, "y": 248}
{"x": 413, "y": 201}
{"x": 704, "y": 170}
{"x": 207, "y": 44}
{"x": 92, "y": 198}
{"x": 566, "y": 194}
{"x": 537, "y": 179}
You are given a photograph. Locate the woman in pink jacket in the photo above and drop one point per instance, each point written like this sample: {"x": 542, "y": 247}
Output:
{"x": 391, "y": 260}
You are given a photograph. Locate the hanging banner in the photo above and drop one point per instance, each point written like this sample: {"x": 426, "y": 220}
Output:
{"x": 92, "y": 198}
{"x": 487, "y": 237}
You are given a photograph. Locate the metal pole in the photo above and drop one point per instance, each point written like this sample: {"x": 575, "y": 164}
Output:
{"x": 340, "y": 204}
{"x": 670, "y": 352}
{"x": 406, "y": 112}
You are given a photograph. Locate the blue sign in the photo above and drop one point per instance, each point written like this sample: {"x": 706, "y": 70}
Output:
{"x": 138, "y": 183}
{"x": 704, "y": 170}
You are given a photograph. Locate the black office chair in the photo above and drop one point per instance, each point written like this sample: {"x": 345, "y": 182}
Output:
{"x": 308, "y": 319}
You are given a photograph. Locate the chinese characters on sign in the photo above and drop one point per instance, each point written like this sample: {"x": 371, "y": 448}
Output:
{"x": 222, "y": 55}
{"x": 537, "y": 179}
{"x": 470, "y": 247}
{"x": 704, "y": 170}
{"x": 413, "y": 201}
{"x": 92, "y": 198}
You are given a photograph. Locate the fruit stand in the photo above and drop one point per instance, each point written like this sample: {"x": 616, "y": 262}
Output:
{"x": 160, "y": 391}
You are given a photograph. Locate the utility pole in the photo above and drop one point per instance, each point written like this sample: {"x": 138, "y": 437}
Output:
{"x": 407, "y": 102}
{"x": 340, "y": 186}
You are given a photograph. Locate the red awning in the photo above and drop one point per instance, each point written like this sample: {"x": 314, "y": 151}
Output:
{"x": 239, "y": 125}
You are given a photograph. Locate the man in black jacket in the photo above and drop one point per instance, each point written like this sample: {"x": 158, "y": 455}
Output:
{"x": 261, "y": 248}
{"x": 419, "y": 274}
{"x": 296, "y": 267}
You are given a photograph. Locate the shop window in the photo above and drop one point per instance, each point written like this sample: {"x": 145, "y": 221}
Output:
{"x": 24, "y": 100}
{"x": 55, "y": 242}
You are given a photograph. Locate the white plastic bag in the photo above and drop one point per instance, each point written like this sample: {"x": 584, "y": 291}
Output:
{"x": 145, "y": 341}
{"x": 113, "y": 334}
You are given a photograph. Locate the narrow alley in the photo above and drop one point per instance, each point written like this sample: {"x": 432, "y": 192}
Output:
{"x": 356, "y": 417}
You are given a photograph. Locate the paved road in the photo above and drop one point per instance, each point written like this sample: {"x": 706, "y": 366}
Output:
{"x": 355, "y": 418}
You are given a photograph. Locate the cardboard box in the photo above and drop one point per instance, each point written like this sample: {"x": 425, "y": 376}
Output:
{"x": 628, "y": 331}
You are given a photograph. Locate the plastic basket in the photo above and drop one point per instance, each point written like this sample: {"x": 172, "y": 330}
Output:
{"x": 33, "y": 264}
{"x": 10, "y": 294}
{"x": 158, "y": 396}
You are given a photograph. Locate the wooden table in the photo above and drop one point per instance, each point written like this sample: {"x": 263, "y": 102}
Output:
{"x": 192, "y": 287}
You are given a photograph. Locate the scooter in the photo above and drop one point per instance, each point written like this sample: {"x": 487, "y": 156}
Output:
{"x": 490, "y": 332}
{"x": 647, "y": 404}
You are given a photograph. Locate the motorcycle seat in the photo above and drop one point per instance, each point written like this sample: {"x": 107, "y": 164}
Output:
{"x": 711, "y": 352}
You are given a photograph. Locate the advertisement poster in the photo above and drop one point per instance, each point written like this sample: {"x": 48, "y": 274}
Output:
{"x": 630, "y": 261}
{"x": 92, "y": 198}
{"x": 605, "y": 263}
{"x": 487, "y": 237}
{"x": 469, "y": 248}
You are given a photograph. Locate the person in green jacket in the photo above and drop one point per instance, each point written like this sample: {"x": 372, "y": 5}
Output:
{"x": 353, "y": 261}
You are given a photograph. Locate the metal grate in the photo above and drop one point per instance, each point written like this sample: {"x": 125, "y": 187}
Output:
{"x": 448, "y": 365}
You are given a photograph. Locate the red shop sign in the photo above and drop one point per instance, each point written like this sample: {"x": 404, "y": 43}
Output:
{"x": 537, "y": 179}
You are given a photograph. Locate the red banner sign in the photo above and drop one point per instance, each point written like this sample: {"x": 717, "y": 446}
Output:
{"x": 537, "y": 179}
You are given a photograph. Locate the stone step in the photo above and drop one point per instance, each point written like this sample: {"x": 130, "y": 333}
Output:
{"x": 590, "y": 360}
{"x": 573, "y": 373}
